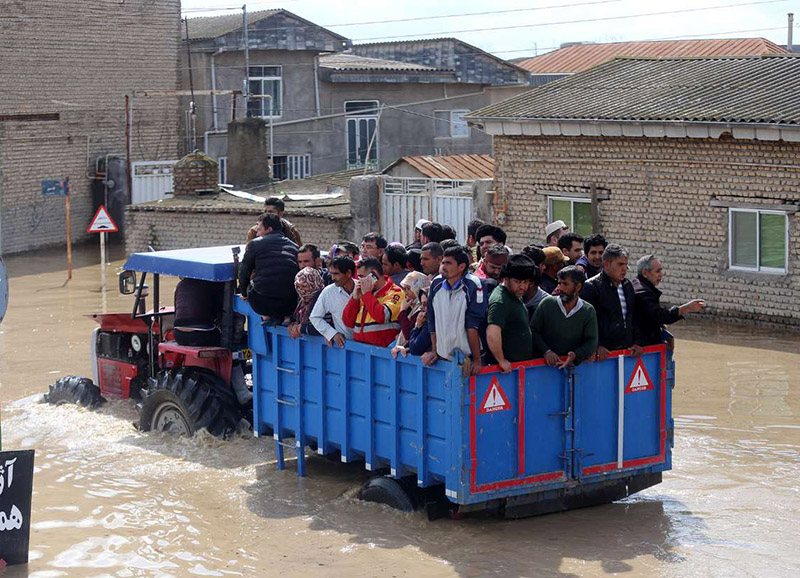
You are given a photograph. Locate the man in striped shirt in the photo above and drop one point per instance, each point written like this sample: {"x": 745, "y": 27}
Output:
{"x": 374, "y": 307}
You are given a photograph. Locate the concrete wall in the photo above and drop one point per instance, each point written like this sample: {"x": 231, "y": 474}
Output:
{"x": 401, "y": 133}
{"x": 78, "y": 60}
{"x": 659, "y": 194}
{"x": 166, "y": 230}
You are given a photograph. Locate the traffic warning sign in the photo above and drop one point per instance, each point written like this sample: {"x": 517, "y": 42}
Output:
{"x": 640, "y": 379}
{"x": 495, "y": 398}
{"x": 102, "y": 222}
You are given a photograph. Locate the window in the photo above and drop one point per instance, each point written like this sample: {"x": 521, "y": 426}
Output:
{"x": 576, "y": 213}
{"x": 265, "y": 81}
{"x": 291, "y": 167}
{"x": 362, "y": 133}
{"x": 223, "y": 170}
{"x": 451, "y": 124}
{"x": 758, "y": 240}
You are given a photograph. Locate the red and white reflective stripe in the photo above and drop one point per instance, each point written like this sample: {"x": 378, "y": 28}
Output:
{"x": 621, "y": 417}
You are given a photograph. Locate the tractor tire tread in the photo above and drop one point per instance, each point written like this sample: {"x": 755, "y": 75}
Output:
{"x": 76, "y": 390}
{"x": 202, "y": 397}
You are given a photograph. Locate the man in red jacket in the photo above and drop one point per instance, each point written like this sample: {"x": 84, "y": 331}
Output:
{"x": 374, "y": 307}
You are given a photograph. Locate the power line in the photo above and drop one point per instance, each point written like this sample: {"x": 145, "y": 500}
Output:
{"x": 581, "y": 21}
{"x": 468, "y": 14}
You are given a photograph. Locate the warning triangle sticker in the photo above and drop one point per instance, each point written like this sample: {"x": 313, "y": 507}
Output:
{"x": 640, "y": 380}
{"x": 102, "y": 222}
{"x": 495, "y": 398}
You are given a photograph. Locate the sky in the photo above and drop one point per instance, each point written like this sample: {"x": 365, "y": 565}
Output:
{"x": 533, "y": 27}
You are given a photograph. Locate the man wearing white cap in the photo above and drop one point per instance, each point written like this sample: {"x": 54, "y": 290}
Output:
{"x": 553, "y": 231}
{"x": 417, "y": 244}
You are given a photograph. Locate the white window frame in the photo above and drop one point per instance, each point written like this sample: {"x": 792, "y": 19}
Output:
{"x": 264, "y": 101}
{"x": 572, "y": 200}
{"x": 223, "y": 170}
{"x": 376, "y": 145}
{"x": 451, "y": 123}
{"x": 758, "y": 268}
{"x": 298, "y": 167}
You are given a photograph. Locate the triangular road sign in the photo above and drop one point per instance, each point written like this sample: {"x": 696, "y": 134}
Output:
{"x": 495, "y": 398}
{"x": 640, "y": 380}
{"x": 102, "y": 222}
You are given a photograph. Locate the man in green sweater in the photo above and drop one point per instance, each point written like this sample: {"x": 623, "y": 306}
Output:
{"x": 508, "y": 334}
{"x": 565, "y": 325}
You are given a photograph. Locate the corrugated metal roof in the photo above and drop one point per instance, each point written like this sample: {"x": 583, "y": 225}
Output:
{"x": 580, "y": 57}
{"x": 737, "y": 90}
{"x": 455, "y": 167}
{"x": 216, "y": 26}
{"x": 365, "y": 63}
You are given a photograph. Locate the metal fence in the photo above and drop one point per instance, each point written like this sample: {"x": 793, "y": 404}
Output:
{"x": 152, "y": 180}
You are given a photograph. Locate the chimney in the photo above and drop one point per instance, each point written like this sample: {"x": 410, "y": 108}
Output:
{"x": 791, "y": 28}
{"x": 194, "y": 174}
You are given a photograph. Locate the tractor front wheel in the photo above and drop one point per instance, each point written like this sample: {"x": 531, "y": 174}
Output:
{"x": 187, "y": 399}
{"x": 73, "y": 389}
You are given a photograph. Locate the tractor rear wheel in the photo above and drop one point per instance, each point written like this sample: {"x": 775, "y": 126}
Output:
{"x": 73, "y": 389}
{"x": 187, "y": 399}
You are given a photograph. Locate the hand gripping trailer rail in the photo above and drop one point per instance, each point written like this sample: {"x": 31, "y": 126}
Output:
{"x": 532, "y": 441}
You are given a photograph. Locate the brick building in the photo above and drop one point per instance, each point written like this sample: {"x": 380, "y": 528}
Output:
{"x": 696, "y": 160}
{"x": 65, "y": 68}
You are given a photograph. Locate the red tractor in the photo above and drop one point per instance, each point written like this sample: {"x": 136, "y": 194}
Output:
{"x": 182, "y": 388}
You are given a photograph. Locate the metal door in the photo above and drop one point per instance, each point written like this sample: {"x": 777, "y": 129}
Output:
{"x": 620, "y": 414}
{"x": 519, "y": 429}
{"x": 403, "y": 201}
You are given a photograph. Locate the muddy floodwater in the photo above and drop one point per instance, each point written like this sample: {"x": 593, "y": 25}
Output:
{"x": 110, "y": 501}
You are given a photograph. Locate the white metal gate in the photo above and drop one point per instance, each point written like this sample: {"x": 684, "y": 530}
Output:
{"x": 406, "y": 200}
{"x": 151, "y": 181}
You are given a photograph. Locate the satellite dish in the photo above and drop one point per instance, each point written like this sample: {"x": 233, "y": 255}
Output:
{"x": 3, "y": 290}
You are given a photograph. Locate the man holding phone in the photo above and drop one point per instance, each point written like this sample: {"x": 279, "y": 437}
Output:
{"x": 374, "y": 306}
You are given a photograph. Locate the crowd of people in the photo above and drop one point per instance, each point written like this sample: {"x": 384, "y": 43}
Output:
{"x": 566, "y": 301}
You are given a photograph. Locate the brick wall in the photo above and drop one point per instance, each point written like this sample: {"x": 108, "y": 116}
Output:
{"x": 79, "y": 59}
{"x": 659, "y": 194}
{"x": 166, "y": 230}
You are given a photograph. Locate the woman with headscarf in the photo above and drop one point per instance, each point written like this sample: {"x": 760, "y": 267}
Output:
{"x": 412, "y": 285}
{"x": 309, "y": 284}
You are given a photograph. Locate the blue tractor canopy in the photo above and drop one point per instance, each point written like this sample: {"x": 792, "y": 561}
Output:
{"x": 205, "y": 263}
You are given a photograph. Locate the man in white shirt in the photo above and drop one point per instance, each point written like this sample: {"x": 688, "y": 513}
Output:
{"x": 332, "y": 300}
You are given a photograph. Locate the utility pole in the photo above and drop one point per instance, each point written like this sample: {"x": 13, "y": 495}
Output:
{"x": 791, "y": 28}
{"x": 246, "y": 60}
{"x": 193, "y": 104}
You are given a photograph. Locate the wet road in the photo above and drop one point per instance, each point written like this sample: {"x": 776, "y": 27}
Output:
{"x": 112, "y": 502}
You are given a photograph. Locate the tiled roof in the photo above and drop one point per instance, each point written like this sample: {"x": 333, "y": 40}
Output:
{"x": 443, "y": 40}
{"x": 365, "y": 63}
{"x": 736, "y": 90}
{"x": 580, "y": 57}
{"x": 455, "y": 167}
{"x": 216, "y": 26}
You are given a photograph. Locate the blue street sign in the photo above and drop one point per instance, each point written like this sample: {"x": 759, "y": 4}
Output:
{"x": 55, "y": 188}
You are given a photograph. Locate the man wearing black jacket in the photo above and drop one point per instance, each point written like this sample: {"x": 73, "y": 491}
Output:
{"x": 271, "y": 259}
{"x": 614, "y": 300}
{"x": 650, "y": 316}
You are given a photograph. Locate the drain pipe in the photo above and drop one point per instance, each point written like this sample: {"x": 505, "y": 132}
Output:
{"x": 214, "y": 109}
{"x": 316, "y": 83}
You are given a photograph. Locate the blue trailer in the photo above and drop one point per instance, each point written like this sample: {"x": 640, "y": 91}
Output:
{"x": 532, "y": 441}
{"x": 535, "y": 440}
